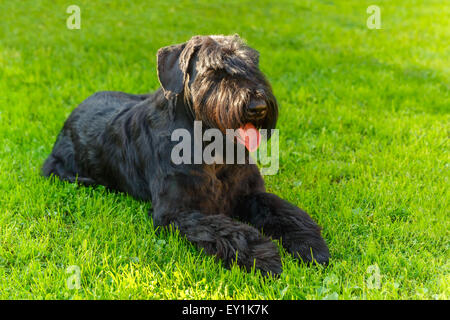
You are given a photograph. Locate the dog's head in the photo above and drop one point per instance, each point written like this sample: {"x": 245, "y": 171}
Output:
{"x": 220, "y": 81}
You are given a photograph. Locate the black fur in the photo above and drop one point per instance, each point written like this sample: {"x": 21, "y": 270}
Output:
{"x": 123, "y": 141}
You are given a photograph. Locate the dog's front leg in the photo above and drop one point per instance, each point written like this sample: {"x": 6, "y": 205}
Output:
{"x": 225, "y": 238}
{"x": 299, "y": 234}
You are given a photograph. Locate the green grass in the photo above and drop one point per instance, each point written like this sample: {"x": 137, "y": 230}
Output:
{"x": 364, "y": 141}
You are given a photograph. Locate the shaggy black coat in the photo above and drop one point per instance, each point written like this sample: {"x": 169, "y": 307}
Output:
{"x": 123, "y": 141}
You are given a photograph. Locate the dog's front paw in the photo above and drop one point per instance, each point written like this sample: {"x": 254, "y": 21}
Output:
{"x": 310, "y": 251}
{"x": 248, "y": 248}
{"x": 266, "y": 257}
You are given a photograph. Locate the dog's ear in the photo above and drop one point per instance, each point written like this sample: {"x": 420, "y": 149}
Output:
{"x": 173, "y": 62}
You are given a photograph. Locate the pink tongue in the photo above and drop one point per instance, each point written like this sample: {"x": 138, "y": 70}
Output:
{"x": 249, "y": 136}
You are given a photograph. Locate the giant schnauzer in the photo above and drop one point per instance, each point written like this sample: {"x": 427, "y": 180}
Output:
{"x": 123, "y": 141}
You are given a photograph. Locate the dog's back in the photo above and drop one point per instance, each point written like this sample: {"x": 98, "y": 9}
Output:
{"x": 79, "y": 145}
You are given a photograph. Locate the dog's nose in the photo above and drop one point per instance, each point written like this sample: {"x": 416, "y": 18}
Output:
{"x": 257, "y": 108}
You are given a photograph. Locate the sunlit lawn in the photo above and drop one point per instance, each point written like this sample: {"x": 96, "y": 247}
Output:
{"x": 364, "y": 140}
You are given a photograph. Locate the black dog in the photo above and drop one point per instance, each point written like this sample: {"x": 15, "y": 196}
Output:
{"x": 123, "y": 141}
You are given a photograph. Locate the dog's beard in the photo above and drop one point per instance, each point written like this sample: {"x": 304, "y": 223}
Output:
{"x": 247, "y": 130}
